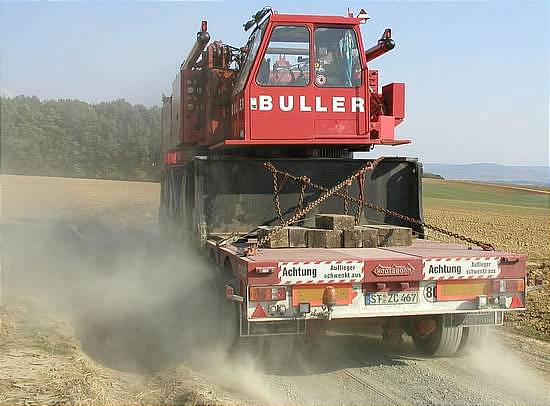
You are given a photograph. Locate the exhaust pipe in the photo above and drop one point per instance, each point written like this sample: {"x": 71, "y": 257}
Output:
{"x": 384, "y": 45}
{"x": 203, "y": 37}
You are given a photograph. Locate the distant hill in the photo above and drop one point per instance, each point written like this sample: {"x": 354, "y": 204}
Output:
{"x": 430, "y": 175}
{"x": 522, "y": 175}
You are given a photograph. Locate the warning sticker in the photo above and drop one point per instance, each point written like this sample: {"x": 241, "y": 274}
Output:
{"x": 461, "y": 268}
{"x": 321, "y": 272}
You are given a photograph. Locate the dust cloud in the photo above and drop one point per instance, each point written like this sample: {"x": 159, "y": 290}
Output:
{"x": 138, "y": 303}
{"x": 500, "y": 365}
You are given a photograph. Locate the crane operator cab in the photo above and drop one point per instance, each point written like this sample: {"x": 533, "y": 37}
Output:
{"x": 304, "y": 81}
{"x": 301, "y": 82}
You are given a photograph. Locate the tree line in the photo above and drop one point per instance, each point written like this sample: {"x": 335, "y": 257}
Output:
{"x": 108, "y": 140}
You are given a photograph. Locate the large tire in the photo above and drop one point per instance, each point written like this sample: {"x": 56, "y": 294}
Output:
{"x": 443, "y": 342}
{"x": 472, "y": 338}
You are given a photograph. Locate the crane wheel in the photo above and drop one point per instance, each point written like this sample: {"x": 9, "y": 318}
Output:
{"x": 444, "y": 341}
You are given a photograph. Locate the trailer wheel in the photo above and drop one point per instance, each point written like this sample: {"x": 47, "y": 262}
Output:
{"x": 443, "y": 342}
{"x": 472, "y": 338}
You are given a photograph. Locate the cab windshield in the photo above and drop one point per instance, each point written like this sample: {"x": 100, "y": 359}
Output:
{"x": 337, "y": 61}
{"x": 253, "y": 46}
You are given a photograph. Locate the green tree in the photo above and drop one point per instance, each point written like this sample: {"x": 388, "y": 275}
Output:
{"x": 110, "y": 140}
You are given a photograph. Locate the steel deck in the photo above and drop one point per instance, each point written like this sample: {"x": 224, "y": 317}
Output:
{"x": 420, "y": 249}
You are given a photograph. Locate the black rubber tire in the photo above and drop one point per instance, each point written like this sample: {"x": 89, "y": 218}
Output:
{"x": 443, "y": 342}
{"x": 472, "y": 338}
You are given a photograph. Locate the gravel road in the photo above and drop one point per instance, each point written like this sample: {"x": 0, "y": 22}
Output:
{"x": 136, "y": 307}
{"x": 361, "y": 370}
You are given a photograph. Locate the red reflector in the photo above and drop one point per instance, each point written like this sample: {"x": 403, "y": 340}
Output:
{"x": 263, "y": 294}
{"x": 259, "y": 312}
{"x": 516, "y": 302}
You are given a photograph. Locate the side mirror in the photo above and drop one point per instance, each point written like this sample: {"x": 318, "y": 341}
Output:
{"x": 249, "y": 24}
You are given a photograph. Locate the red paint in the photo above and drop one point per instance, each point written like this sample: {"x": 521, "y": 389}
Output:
{"x": 516, "y": 302}
{"x": 203, "y": 111}
{"x": 259, "y": 312}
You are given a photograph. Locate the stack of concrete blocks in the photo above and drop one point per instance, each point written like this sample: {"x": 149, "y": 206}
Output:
{"x": 337, "y": 231}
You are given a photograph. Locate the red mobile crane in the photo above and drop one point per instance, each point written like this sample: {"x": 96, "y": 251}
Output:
{"x": 259, "y": 173}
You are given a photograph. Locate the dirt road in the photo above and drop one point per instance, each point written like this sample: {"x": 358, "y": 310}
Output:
{"x": 97, "y": 309}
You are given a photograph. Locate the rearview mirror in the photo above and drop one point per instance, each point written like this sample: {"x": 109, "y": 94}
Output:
{"x": 249, "y": 24}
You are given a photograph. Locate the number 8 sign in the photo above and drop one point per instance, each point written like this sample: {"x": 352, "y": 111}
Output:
{"x": 430, "y": 292}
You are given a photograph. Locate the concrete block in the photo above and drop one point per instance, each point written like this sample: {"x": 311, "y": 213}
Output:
{"x": 392, "y": 236}
{"x": 334, "y": 221}
{"x": 369, "y": 236}
{"x": 353, "y": 239}
{"x": 297, "y": 237}
{"x": 278, "y": 240}
{"x": 319, "y": 238}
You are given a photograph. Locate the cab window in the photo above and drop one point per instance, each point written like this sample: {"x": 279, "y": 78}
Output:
{"x": 337, "y": 62}
{"x": 286, "y": 59}
{"x": 253, "y": 46}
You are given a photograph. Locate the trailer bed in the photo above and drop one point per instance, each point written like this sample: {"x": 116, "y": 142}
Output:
{"x": 419, "y": 249}
{"x": 422, "y": 261}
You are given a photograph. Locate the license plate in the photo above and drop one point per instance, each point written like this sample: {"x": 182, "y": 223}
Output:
{"x": 391, "y": 298}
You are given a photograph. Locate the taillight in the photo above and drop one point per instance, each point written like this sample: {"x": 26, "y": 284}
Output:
{"x": 515, "y": 285}
{"x": 508, "y": 285}
{"x": 262, "y": 294}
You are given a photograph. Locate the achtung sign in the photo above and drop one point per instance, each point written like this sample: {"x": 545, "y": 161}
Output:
{"x": 321, "y": 272}
{"x": 461, "y": 268}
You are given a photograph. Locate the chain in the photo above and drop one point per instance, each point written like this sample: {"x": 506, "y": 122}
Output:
{"x": 305, "y": 181}
{"x": 328, "y": 193}
{"x": 361, "y": 203}
{"x": 276, "y": 196}
{"x": 484, "y": 245}
{"x": 346, "y": 201}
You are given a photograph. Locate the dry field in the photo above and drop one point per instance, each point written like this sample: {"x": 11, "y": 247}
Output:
{"x": 518, "y": 226}
{"x": 96, "y": 309}
{"x": 512, "y": 220}
{"x": 114, "y": 203}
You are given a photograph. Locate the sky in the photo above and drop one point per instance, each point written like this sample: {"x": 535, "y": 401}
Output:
{"x": 476, "y": 73}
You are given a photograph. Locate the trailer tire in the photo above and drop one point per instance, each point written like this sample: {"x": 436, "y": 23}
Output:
{"x": 443, "y": 342}
{"x": 472, "y": 338}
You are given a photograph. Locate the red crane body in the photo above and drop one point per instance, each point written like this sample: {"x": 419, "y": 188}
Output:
{"x": 270, "y": 95}
{"x": 259, "y": 174}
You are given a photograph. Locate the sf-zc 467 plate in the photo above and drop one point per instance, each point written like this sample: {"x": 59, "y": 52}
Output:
{"x": 391, "y": 298}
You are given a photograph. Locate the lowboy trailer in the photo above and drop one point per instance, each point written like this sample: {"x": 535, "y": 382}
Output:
{"x": 259, "y": 174}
